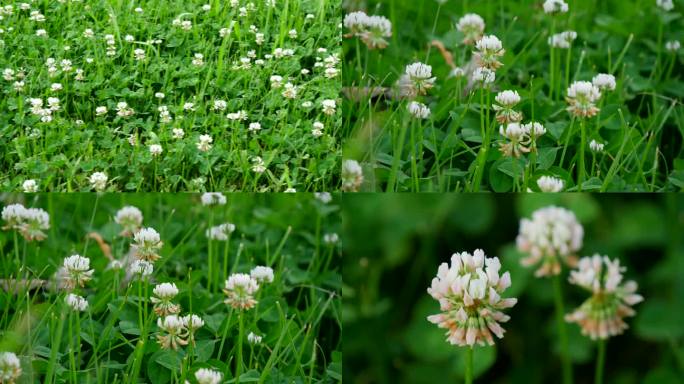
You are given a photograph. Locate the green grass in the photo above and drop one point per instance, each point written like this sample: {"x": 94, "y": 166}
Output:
{"x": 298, "y": 314}
{"x": 640, "y": 122}
{"x": 61, "y": 154}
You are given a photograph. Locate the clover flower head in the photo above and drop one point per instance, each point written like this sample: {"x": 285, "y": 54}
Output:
{"x": 76, "y": 302}
{"x": 604, "y": 81}
{"x": 378, "y": 29}
{"x": 10, "y": 367}
{"x": 174, "y": 328}
{"x": 352, "y": 176}
{"x": 220, "y": 232}
{"x": 29, "y": 186}
{"x": 472, "y": 26}
{"x": 555, "y": 6}
{"x": 239, "y": 289}
{"x": 262, "y": 274}
{"x": 331, "y": 238}
{"x": 562, "y": 40}
{"x": 518, "y": 139}
{"x": 417, "y": 79}
{"x": 30, "y": 222}
{"x": 253, "y": 338}
{"x": 208, "y": 376}
{"x": 418, "y": 110}
{"x": 213, "y": 198}
{"x": 666, "y": 5}
{"x": 581, "y": 98}
{"x": 489, "y": 49}
{"x": 550, "y": 184}
{"x": 141, "y": 268}
{"x": 130, "y": 218}
{"x": 595, "y": 146}
{"x": 602, "y": 315}
{"x": 356, "y": 22}
{"x": 147, "y": 244}
{"x": 483, "y": 76}
{"x": 323, "y": 197}
{"x": 13, "y": 215}
{"x": 552, "y": 235}
{"x": 77, "y": 271}
{"x": 164, "y": 293}
{"x": 469, "y": 294}
{"x": 673, "y": 45}
{"x": 504, "y": 110}
{"x": 98, "y": 181}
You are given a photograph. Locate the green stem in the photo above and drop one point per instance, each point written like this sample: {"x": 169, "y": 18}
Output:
{"x": 600, "y": 361}
{"x": 581, "y": 157}
{"x": 469, "y": 365}
{"x": 565, "y": 358}
{"x": 238, "y": 363}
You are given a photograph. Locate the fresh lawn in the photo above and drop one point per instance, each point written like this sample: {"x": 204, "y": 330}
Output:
{"x": 169, "y": 95}
{"x": 459, "y": 147}
{"x": 125, "y": 336}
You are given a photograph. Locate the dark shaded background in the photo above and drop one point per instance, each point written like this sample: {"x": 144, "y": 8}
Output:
{"x": 393, "y": 244}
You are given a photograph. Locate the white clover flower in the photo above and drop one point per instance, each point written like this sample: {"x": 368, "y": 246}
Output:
{"x": 673, "y": 45}
{"x": 123, "y": 110}
{"x": 99, "y": 111}
{"x": 323, "y": 197}
{"x": 581, "y": 98}
{"x": 156, "y": 149}
{"x": 504, "y": 111}
{"x": 29, "y": 186}
{"x": 141, "y": 268}
{"x": 331, "y": 238}
{"x": 239, "y": 115}
{"x": 130, "y": 218}
{"x": 262, "y": 274}
{"x": 329, "y": 106}
{"x": 418, "y": 110}
{"x": 192, "y": 322}
{"x": 290, "y": 91}
{"x": 76, "y": 302}
{"x": 377, "y": 30}
{"x": 550, "y": 184}
{"x": 198, "y": 60}
{"x": 534, "y": 129}
{"x": 147, "y": 244}
{"x": 175, "y": 332}
{"x": 483, "y": 75}
{"x": 469, "y": 294}
{"x": 604, "y": 81}
{"x": 164, "y": 293}
{"x": 258, "y": 165}
{"x": 208, "y": 376}
{"x": 77, "y": 271}
{"x": 418, "y": 79}
{"x": 551, "y": 236}
{"x": 489, "y": 49}
{"x": 213, "y": 198}
{"x": 14, "y": 215}
{"x": 562, "y": 40}
{"x": 555, "y": 6}
{"x": 276, "y": 81}
{"x": 596, "y": 146}
{"x": 220, "y": 105}
{"x": 356, "y": 22}
{"x": 220, "y": 232}
{"x": 601, "y": 316}
{"x": 204, "y": 143}
{"x": 254, "y": 127}
{"x": 139, "y": 54}
{"x": 10, "y": 367}
{"x": 666, "y": 5}
{"x": 239, "y": 290}
{"x": 472, "y": 26}
{"x": 352, "y": 176}
{"x": 253, "y": 339}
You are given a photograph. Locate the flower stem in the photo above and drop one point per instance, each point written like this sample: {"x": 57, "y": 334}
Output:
{"x": 238, "y": 362}
{"x": 565, "y": 358}
{"x": 469, "y": 365}
{"x": 581, "y": 157}
{"x": 600, "y": 360}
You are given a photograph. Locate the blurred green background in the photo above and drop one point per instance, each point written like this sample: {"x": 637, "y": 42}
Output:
{"x": 393, "y": 244}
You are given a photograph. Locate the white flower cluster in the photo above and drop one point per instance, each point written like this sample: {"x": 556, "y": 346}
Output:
{"x": 418, "y": 110}
{"x": 489, "y": 49}
{"x": 550, "y": 184}
{"x": 76, "y": 302}
{"x": 521, "y": 138}
{"x": 213, "y": 198}
{"x": 208, "y": 376}
{"x": 240, "y": 289}
{"x": 372, "y": 30}
{"x": 147, "y": 243}
{"x": 555, "y": 6}
{"x": 469, "y": 294}
{"x": 29, "y": 222}
{"x": 472, "y": 26}
{"x": 504, "y": 110}
{"x": 220, "y": 232}
{"x": 130, "y": 218}
{"x": 581, "y": 98}
{"x": 602, "y": 315}
{"x": 666, "y": 5}
{"x": 98, "y": 181}
{"x": 352, "y": 176}
{"x": 262, "y": 274}
{"x": 562, "y": 40}
{"x": 10, "y": 366}
{"x": 552, "y": 235}
{"x": 77, "y": 271}
{"x": 164, "y": 293}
